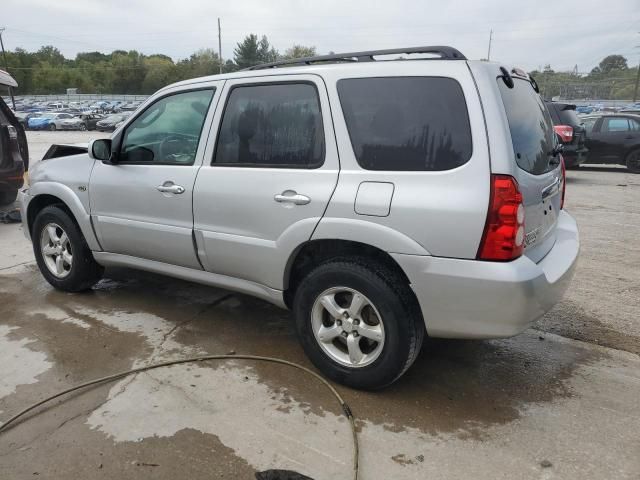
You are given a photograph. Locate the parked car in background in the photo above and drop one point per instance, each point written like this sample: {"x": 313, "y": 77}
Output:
{"x": 48, "y": 121}
{"x": 571, "y": 132}
{"x": 14, "y": 151}
{"x": 81, "y": 122}
{"x": 23, "y": 118}
{"x": 381, "y": 201}
{"x": 110, "y": 123}
{"x": 584, "y": 109}
{"x": 614, "y": 139}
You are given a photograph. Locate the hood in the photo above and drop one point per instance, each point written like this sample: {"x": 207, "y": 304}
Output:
{"x": 65, "y": 150}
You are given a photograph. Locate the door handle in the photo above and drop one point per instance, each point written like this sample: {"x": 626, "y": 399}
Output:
{"x": 169, "y": 187}
{"x": 291, "y": 196}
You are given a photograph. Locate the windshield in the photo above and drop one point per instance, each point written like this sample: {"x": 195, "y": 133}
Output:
{"x": 530, "y": 125}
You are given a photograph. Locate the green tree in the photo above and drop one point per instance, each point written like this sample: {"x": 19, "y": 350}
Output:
{"x": 160, "y": 72}
{"x": 299, "y": 51}
{"x": 252, "y": 51}
{"x": 613, "y": 62}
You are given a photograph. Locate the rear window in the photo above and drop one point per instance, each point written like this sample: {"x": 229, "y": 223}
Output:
{"x": 406, "y": 123}
{"x": 568, "y": 117}
{"x": 530, "y": 125}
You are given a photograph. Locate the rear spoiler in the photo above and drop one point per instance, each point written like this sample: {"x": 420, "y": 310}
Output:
{"x": 63, "y": 150}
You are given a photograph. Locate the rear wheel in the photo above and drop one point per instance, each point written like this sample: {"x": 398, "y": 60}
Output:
{"x": 83, "y": 127}
{"x": 633, "y": 161}
{"x": 52, "y": 127}
{"x": 62, "y": 254}
{"x": 7, "y": 198}
{"x": 358, "y": 323}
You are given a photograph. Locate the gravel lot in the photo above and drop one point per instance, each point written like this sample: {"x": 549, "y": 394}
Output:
{"x": 559, "y": 401}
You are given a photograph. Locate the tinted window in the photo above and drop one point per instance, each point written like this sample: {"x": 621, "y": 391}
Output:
{"x": 616, "y": 125}
{"x": 569, "y": 117}
{"x": 531, "y": 128}
{"x": 277, "y": 125}
{"x": 634, "y": 124}
{"x": 408, "y": 123}
{"x": 168, "y": 131}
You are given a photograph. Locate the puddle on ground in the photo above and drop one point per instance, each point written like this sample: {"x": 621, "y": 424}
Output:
{"x": 457, "y": 390}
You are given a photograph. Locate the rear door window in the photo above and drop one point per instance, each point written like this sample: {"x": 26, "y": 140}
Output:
{"x": 530, "y": 124}
{"x": 271, "y": 125}
{"x": 406, "y": 123}
{"x": 615, "y": 125}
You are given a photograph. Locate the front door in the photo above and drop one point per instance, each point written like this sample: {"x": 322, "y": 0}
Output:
{"x": 142, "y": 206}
{"x": 268, "y": 177}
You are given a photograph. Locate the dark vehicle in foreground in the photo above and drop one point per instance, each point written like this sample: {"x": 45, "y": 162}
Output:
{"x": 569, "y": 128}
{"x": 13, "y": 149}
{"x": 110, "y": 123}
{"x": 614, "y": 139}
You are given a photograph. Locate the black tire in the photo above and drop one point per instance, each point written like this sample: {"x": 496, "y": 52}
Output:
{"x": 633, "y": 161}
{"x": 52, "y": 127}
{"x": 8, "y": 197}
{"x": 399, "y": 311}
{"x": 83, "y": 127}
{"x": 84, "y": 271}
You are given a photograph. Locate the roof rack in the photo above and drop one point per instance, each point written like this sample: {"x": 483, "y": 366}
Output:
{"x": 445, "y": 53}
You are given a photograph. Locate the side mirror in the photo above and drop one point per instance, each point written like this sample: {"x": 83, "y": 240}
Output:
{"x": 101, "y": 150}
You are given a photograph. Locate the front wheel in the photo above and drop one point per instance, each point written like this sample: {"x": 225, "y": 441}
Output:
{"x": 358, "y": 323}
{"x": 83, "y": 127}
{"x": 633, "y": 161}
{"x": 62, "y": 254}
{"x": 52, "y": 127}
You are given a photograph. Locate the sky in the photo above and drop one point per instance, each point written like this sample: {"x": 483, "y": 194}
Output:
{"x": 530, "y": 34}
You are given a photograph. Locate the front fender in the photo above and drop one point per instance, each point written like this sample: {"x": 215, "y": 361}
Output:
{"x": 73, "y": 202}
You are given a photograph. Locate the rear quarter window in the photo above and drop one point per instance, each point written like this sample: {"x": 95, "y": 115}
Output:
{"x": 406, "y": 123}
{"x": 530, "y": 124}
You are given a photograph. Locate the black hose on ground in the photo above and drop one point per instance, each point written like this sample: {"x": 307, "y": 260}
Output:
{"x": 345, "y": 408}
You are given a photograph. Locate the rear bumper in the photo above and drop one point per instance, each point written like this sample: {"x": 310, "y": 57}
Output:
{"x": 574, "y": 156}
{"x": 475, "y": 299}
{"x": 12, "y": 178}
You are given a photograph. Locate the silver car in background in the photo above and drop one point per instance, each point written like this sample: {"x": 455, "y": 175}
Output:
{"x": 378, "y": 200}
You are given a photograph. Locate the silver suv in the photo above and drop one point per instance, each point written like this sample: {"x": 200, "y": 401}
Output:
{"x": 380, "y": 200}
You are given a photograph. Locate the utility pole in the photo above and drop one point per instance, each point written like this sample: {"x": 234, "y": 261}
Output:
{"x": 489, "y": 51}
{"x": 635, "y": 90}
{"x": 220, "y": 44}
{"x": 6, "y": 67}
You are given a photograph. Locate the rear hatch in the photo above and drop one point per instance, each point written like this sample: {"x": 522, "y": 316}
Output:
{"x": 565, "y": 114}
{"x": 538, "y": 172}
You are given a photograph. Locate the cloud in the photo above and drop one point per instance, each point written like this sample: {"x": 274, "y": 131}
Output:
{"x": 529, "y": 34}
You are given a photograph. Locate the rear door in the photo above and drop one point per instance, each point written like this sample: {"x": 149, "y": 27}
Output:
{"x": 539, "y": 173}
{"x": 267, "y": 178}
{"x": 617, "y": 134}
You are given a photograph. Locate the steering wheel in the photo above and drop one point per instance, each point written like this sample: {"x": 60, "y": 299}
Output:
{"x": 176, "y": 145}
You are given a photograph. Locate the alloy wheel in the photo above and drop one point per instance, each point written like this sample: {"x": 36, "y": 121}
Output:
{"x": 347, "y": 327}
{"x": 56, "y": 250}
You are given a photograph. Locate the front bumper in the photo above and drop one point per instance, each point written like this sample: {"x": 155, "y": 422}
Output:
{"x": 23, "y": 201}
{"x": 477, "y": 299}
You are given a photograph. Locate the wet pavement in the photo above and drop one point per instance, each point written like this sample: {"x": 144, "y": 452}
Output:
{"x": 537, "y": 406}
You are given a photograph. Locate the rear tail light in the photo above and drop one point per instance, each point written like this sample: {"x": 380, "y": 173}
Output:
{"x": 503, "y": 237}
{"x": 565, "y": 132}
{"x": 564, "y": 181}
